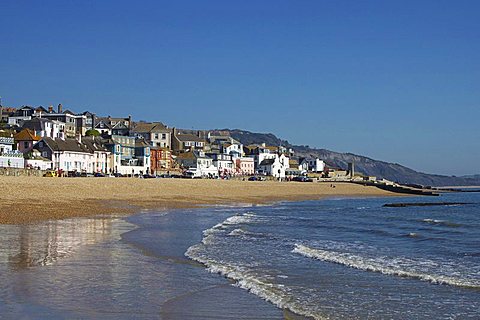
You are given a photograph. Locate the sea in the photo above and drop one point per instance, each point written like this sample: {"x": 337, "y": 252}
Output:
{"x": 337, "y": 258}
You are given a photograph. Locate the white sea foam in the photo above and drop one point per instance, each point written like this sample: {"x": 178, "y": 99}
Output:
{"x": 239, "y": 219}
{"x": 424, "y": 270}
{"x": 219, "y": 228}
{"x": 247, "y": 279}
{"x": 432, "y": 221}
{"x": 441, "y": 223}
{"x": 237, "y": 232}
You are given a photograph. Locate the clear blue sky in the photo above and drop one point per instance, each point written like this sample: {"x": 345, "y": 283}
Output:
{"x": 394, "y": 80}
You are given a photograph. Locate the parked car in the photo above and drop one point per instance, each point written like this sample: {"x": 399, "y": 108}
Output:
{"x": 117, "y": 175}
{"x": 192, "y": 174}
{"x": 86, "y": 175}
{"x": 256, "y": 178}
{"x": 73, "y": 174}
{"x": 302, "y": 179}
{"x": 50, "y": 173}
{"x": 149, "y": 176}
{"x": 99, "y": 175}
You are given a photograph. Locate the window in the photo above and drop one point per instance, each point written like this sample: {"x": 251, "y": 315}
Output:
{"x": 26, "y": 144}
{"x": 45, "y": 154}
{"x": 164, "y": 136}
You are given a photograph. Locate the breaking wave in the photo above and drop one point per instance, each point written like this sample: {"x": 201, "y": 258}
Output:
{"x": 247, "y": 279}
{"x": 400, "y": 266}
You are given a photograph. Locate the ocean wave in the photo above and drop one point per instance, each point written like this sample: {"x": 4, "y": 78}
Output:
{"x": 238, "y": 219}
{"x": 239, "y": 232}
{"x": 246, "y": 278}
{"x": 400, "y": 266}
{"x": 441, "y": 223}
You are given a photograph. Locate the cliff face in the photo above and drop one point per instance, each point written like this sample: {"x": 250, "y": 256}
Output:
{"x": 364, "y": 165}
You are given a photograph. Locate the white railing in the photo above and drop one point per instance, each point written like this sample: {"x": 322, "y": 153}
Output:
{"x": 11, "y": 154}
{"x": 7, "y": 140}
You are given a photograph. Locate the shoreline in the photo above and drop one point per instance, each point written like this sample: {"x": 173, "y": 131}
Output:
{"x": 33, "y": 199}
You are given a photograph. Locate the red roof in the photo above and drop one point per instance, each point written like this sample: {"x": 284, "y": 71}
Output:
{"x": 26, "y": 135}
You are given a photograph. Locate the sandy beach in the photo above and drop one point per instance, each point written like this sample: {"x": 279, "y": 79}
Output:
{"x": 31, "y": 199}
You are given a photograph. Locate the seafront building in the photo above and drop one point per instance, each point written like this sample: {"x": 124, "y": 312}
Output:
{"x": 156, "y": 133}
{"x": 74, "y": 155}
{"x": 66, "y": 141}
{"x": 9, "y": 157}
{"x": 129, "y": 157}
{"x": 161, "y": 160}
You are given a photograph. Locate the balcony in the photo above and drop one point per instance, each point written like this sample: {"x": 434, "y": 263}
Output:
{"x": 7, "y": 140}
{"x": 132, "y": 162}
{"x": 11, "y": 154}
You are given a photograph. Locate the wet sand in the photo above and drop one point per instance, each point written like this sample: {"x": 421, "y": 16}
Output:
{"x": 33, "y": 199}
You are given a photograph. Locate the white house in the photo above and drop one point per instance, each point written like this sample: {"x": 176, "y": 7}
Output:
{"x": 43, "y": 127}
{"x": 101, "y": 155}
{"x": 312, "y": 164}
{"x": 199, "y": 161}
{"x": 233, "y": 149}
{"x": 103, "y": 127}
{"x": 23, "y": 114}
{"x": 224, "y": 163}
{"x": 74, "y": 155}
{"x": 9, "y": 157}
{"x": 275, "y": 167}
{"x": 260, "y": 153}
{"x": 36, "y": 161}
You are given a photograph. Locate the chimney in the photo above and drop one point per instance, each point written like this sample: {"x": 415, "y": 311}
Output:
{"x": 130, "y": 122}
{"x": 50, "y": 109}
{"x": 60, "y": 107}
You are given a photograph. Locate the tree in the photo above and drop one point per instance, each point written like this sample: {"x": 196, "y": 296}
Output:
{"x": 92, "y": 132}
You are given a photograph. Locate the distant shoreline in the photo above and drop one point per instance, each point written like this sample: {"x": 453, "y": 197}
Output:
{"x": 458, "y": 187}
{"x": 33, "y": 199}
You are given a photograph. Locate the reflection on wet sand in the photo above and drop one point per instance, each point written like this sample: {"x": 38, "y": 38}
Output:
{"x": 97, "y": 269}
{"x": 27, "y": 246}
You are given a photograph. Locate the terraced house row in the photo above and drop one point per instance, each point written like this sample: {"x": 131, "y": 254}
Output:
{"x": 59, "y": 139}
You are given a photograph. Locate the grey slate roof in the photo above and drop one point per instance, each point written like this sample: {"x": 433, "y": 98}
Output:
{"x": 189, "y": 137}
{"x": 267, "y": 162}
{"x": 36, "y": 124}
{"x": 94, "y": 143}
{"x": 73, "y": 145}
{"x": 150, "y": 127}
